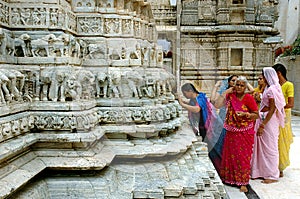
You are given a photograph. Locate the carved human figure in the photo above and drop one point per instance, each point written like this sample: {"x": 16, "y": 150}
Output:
{"x": 145, "y": 55}
{"x": 83, "y": 48}
{"x": 137, "y": 29}
{"x": 108, "y": 25}
{"x": 35, "y": 17}
{"x": 95, "y": 25}
{"x": 126, "y": 26}
{"x": 117, "y": 25}
{"x": 73, "y": 88}
{"x": 149, "y": 88}
{"x": 53, "y": 16}
{"x": 2, "y": 13}
{"x": 86, "y": 80}
{"x": 153, "y": 55}
{"x": 160, "y": 57}
{"x": 74, "y": 47}
{"x": 15, "y": 18}
{"x": 135, "y": 53}
{"x": 43, "y": 15}
{"x": 25, "y": 16}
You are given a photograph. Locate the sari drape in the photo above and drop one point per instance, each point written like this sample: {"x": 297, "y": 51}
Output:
{"x": 238, "y": 142}
{"x": 209, "y": 125}
{"x": 266, "y": 156}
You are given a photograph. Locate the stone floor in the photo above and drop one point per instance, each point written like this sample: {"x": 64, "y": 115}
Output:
{"x": 288, "y": 186}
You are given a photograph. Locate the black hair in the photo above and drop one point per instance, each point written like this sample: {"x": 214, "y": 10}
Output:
{"x": 280, "y": 68}
{"x": 188, "y": 87}
{"x": 229, "y": 79}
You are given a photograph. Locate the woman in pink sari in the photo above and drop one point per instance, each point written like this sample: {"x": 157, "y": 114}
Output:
{"x": 271, "y": 115}
{"x": 239, "y": 138}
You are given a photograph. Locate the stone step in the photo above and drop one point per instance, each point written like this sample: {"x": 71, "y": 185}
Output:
{"x": 19, "y": 177}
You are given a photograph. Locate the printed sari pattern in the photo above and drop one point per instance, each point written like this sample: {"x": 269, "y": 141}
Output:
{"x": 238, "y": 142}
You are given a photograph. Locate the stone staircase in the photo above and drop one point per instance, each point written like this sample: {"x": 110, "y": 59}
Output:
{"x": 156, "y": 169}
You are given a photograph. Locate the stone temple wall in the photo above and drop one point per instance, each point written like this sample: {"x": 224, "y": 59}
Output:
{"x": 87, "y": 109}
{"x": 215, "y": 39}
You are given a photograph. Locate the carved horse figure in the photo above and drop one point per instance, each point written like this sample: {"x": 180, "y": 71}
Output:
{"x": 21, "y": 41}
{"x": 41, "y": 44}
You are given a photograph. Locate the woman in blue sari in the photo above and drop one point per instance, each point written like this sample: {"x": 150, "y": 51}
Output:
{"x": 203, "y": 118}
{"x": 219, "y": 88}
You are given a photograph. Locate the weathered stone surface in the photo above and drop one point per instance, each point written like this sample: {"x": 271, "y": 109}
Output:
{"x": 87, "y": 109}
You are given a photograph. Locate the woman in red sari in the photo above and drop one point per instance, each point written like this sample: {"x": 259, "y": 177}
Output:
{"x": 238, "y": 143}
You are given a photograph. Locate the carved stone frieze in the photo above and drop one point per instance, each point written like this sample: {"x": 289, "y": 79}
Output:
{"x": 138, "y": 114}
{"x": 4, "y": 13}
{"x": 78, "y": 121}
{"x": 15, "y": 125}
{"x": 90, "y": 25}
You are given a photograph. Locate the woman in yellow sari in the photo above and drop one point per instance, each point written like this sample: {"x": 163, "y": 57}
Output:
{"x": 285, "y": 135}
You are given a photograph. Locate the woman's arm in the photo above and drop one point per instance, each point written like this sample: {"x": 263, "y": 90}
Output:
{"x": 290, "y": 102}
{"x": 214, "y": 93}
{"x": 250, "y": 88}
{"x": 194, "y": 109}
{"x": 220, "y": 101}
{"x": 272, "y": 109}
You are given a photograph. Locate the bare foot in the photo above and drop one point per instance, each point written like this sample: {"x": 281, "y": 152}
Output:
{"x": 269, "y": 181}
{"x": 281, "y": 174}
{"x": 243, "y": 189}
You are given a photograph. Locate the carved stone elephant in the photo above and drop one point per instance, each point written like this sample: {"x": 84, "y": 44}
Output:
{"x": 7, "y": 44}
{"x": 101, "y": 84}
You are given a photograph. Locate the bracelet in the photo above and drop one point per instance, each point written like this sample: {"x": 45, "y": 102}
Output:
{"x": 262, "y": 126}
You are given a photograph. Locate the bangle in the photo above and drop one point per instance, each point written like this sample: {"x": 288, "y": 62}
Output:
{"x": 262, "y": 126}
